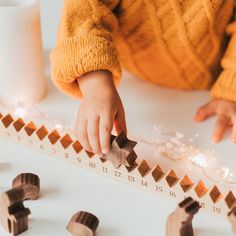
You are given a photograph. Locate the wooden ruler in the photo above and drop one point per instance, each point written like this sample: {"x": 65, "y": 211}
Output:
{"x": 146, "y": 177}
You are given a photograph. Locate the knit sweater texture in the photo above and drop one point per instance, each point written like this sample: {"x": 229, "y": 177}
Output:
{"x": 181, "y": 44}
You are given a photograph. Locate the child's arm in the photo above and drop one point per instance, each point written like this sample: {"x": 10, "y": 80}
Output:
{"x": 84, "y": 44}
{"x": 85, "y": 64}
{"x": 224, "y": 93}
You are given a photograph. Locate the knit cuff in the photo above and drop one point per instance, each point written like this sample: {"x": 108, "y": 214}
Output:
{"x": 225, "y": 86}
{"x": 79, "y": 55}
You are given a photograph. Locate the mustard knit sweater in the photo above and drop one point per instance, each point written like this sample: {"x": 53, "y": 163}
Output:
{"x": 179, "y": 44}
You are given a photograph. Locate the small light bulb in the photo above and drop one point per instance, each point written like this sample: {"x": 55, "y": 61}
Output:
{"x": 58, "y": 126}
{"x": 199, "y": 160}
{"x": 20, "y": 112}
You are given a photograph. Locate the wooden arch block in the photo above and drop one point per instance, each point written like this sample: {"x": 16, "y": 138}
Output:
{"x": 83, "y": 224}
{"x": 30, "y": 183}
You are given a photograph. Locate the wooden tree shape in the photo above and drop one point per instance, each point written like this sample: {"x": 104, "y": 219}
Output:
{"x": 122, "y": 151}
{"x": 179, "y": 223}
{"x": 232, "y": 219}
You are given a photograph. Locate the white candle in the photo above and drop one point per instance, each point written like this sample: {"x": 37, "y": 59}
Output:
{"x": 21, "y": 54}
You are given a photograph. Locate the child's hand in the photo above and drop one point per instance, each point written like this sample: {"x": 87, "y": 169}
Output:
{"x": 226, "y": 117}
{"x": 100, "y": 109}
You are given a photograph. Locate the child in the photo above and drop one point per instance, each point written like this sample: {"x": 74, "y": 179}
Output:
{"x": 173, "y": 43}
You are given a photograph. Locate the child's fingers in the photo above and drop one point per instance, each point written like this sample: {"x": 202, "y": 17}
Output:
{"x": 120, "y": 124}
{"x": 205, "y": 112}
{"x": 83, "y": 135}
{"x": 233, "y": 137}
{"x": 93, "y": 134}
{"x": 106, "y": 125}
{"x": 220, "y": 126}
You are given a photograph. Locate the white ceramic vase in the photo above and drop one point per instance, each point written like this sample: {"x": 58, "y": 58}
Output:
{"x": 21, "y": 54}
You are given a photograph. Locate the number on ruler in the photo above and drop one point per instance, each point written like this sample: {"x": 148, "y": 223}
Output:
{"x": 202, "y": 204}
{"x": 172, "y": 194}
{"x": 144, "y": 183}
{"x": 54, "y": 151}
{"x": 66, "y": 155}
{"x": 159, "y": 189}
{"x": 117, "y": 173}
{"x": 131, "y": 178}
{"x": 104, "y": 169}
{"x": 216, "y": 210}
{"x": 92, "y": 165}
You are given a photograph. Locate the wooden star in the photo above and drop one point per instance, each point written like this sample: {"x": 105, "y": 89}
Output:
{"x": 179, "y": 223}
{"x": 121, "y": 151}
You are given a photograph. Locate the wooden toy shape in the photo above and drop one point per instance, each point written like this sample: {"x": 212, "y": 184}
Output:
{"x": 30, "y": 183}
{"x": 179, "y": 223}
{"x": 13, "y": 214}
{"x": 232, "y": 219}
{"x": 83, "y": 224}
{"x": 122, "y": 151}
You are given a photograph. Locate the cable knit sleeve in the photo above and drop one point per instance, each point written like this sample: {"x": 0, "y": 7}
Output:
{"x": 84, "y": 44}
{"x": 225, "y": 86}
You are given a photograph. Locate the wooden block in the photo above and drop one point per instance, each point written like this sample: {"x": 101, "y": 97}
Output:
{"x": 53, "y": 137}
{"x": 13, "y": 214}
{"x": 66, "y": 141}
{"x": 232, "y": 219}
{"x": 179, "y": 223}
{"x": 230, "y": 199}
{"x": 83, "y": 224}
{"x": 7, "y": 120}
{"x": 18, "y": 124}
{"x": 171, "y": 178}
{"x": 30, "y": 128}
{"x": 122, "y": 151}
{"x": 215, "y": 194}
{"x": 30, "y": 183}
{"x": 186, "y": 183}
{"x": 42, "y": 132}
{"x": 157, "y": 173}
{"x": 200, "y": 189}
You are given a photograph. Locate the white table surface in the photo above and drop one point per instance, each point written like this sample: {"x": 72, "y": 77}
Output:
{"x": 123, "y": 210}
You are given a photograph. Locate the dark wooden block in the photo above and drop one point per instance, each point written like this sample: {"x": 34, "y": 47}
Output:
{"x": 30, "y": 183}
{"x": 13, "y": 214}
{"x": 83, "y": 224}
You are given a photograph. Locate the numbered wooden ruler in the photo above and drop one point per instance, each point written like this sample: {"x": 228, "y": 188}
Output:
{"x": 146, "y": 177}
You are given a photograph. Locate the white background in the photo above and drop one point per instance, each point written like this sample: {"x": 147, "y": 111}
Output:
{"x": 50, "y": 14}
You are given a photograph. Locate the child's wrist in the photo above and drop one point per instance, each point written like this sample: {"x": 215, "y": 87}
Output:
{"x": 96, "y": 81}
